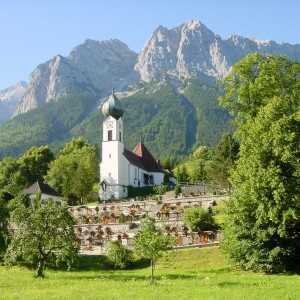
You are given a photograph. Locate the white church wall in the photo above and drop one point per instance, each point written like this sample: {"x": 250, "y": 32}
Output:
{"x": 112, "y": 165}
{"x": 158, "y": 178}
{"x": 135, "y": 176}
{"x": 117, "y": 173}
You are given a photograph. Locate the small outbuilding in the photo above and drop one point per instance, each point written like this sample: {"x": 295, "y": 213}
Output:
{"x": 44, "y": 190}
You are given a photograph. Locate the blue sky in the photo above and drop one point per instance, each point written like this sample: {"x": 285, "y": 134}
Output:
{"x": 34, "y": 31}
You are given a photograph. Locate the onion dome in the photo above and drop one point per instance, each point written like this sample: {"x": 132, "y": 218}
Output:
{"x": 113, "y": 107}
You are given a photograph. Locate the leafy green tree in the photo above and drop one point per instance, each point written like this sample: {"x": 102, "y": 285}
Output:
{"x": 166, "y": 179}
{"x": 44, "y": 232}
{"x": 198, "y": 219}
{"x": 34, "y": 164}
{"x": 262, "y": 231}
{"x": 87, "y": 172}
{"x": 119, "y": 256}
{"x": 168, "y": 163}
{"x": 201, "y": 152}
{"x": 9, "y": 175}
{"x": 73, "y": 145}
{"x": 255, "y": 80}
{"x": 177, "y": 190}
{"x": 20, "y": 200}
{"x": 223, "y": 160}
{"x": 199, "y": 171}
{"x": 151, "y": 243}
{"x": 75, "y": 170}
{"x": 196, "y": 167}
{"x": 182, "y": 174}
{"x": 4, "y": 217}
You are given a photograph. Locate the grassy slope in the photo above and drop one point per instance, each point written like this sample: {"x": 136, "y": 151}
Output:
{"x": 184, "y": 274}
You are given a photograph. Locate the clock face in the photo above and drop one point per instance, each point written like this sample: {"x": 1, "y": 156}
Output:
{"x": 109, "y": 124}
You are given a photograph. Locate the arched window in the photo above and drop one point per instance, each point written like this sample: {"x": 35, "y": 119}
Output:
{"x": 109, "y": 136}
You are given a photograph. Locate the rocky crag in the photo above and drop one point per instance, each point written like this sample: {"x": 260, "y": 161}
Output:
{"x": 192, "y": 50}
{"x": 189, "y": 50}
{"x": 9, "y": 99}
{"x": 93, "y": 67}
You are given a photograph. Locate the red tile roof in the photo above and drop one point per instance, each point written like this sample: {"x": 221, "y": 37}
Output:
{"x": 141, "y": 157}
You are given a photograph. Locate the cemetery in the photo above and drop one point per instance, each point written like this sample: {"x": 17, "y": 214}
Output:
{"x": 97, "y": 225}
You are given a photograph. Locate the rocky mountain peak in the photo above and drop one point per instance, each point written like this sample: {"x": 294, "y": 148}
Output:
{"x": 13, "y": 91}
{"x": 182, "y": 51}
{"x": 192, "y": 50}
{"x": 9, "y": 99}
{"x": 188, "y": 50}
{"x": 193, "y": 24}
{"x": 95, "y": 66}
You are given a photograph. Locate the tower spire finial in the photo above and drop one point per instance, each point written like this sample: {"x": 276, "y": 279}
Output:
{"x": 113, "y": 107}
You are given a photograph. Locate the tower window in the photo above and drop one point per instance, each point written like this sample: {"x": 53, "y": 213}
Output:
{"x": 109, "y": 137}
{"x": 120, "y": 136}
{"x": 109, "y": 155}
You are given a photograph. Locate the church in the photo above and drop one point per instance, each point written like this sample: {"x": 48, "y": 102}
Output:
{"x": 120, "y": 167}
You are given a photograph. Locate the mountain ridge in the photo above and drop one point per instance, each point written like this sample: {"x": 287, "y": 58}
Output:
{"x": 9, "y": 99}
{"x": 88, "y": 66}
{"x": 170, "y": 90}
{"x": 185, "y": 51}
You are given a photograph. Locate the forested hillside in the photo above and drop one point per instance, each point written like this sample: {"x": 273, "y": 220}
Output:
{"x": 171, "y": 121}
{"x": 212, "y": 119}
{"x": 46, "y": 125}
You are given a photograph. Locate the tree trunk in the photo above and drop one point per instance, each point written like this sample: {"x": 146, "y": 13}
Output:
{"x": 40, "y": 268}
{"x": 152, "y": 270}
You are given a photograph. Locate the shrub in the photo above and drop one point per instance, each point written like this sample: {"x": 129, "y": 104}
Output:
{"x": 198, "y": 219}
{"x": 177, "y": 190}
{"x": 122, "y": 218}
{"x": 160, "y": 189}
{"x": 119, "y": 256}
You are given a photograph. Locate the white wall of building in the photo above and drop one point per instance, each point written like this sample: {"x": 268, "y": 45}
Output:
{"x": 112, "y": 165}
{"x": 116, "y": 171}
{"x": 136, "y": 176}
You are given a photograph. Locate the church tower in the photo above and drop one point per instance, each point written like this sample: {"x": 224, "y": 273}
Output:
{"x": 113, "y": 182}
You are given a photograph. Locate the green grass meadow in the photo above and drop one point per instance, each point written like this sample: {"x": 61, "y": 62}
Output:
{"x": 181, "y": 274}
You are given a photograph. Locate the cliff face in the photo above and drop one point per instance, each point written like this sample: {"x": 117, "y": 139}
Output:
{"x": 9, "y": 99}
{"x": 191, "y": 49}
{"x": 94, "y": 67}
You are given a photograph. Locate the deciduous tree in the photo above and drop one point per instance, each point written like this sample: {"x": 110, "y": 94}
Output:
{"x": 9, "y": 175}
{"x": 34, "y": 164}
{"x": 118, "y": 255}
{"x": 4, "y": 217}
{"x": 198, "y": 219}
{"x": 263, "y": 225}
{"x": 43, "y": 232}
{"x": 223, "y": 161}
{"x": 75, "y": 170}
{"x": 151, "y": 243}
